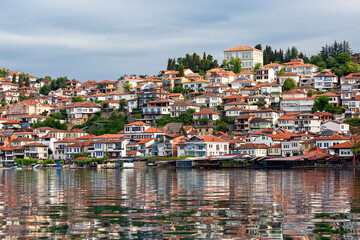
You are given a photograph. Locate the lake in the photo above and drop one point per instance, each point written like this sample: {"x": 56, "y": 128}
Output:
{"x": 156, "y": 203}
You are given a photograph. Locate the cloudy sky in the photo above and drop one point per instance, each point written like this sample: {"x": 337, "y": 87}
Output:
{"x": 104, "y": 39}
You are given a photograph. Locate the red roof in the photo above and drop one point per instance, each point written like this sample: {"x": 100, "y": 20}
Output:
{"x": 206, "y": 111}
{"x": 239, "y": 48}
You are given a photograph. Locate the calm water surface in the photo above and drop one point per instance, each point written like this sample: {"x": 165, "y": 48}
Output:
{"x": 186, "y": 203}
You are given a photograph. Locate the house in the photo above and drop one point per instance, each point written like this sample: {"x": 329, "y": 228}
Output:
{"x": 249, "y": 91}
{"x": 247, "y": 74}
{"x": 259, "y": 99}
{"x": 11, "y": 124}
{"x": 114, "y": 147}
{"x": 176, "y": 97}
{"x": 327, "y": 141}
{"x": 287, "y": 75}
{"x": 178, "y": 108}
{"x": 166, "y": 145}
{"x": 156, "y": 108}
{"x": 217, "y": 88}
{"x": 220, "y": 76}
{"x": 270, "y": 88}
{"x": 140, "y": 130}
{"x": 307, "y": 122}
{"x": 265, "y": 75}
{"x": 59, "y": 150}
{"x": 259, "y": 123}
{"x": 36, "y": 150}
{"x": 242, "y": 124}
{"x": 294, "y": 93}
{"x": 249, "y": 56}
{"x": 80, "y": 112}
{"x": 268, "y": 114}
{"x": 204, "y": 146}
{"x": 342, "y": 149}
{"x": 287, "y": 122}
{"x": 253, "y": 150}
{"x": 117, "y": 95}
{"x": 106, "y": 86}
{"x": 297, "y": 104}
{"x": 335, "y": 126}
{"x": 242, "y": 82}
{"x": 350, "y": 79}
{"x": 207, "y": 114}
{"x": 334, "y": 98}
{"x": 78, "y": 147}
{"x": 195, "y": 84}
{"x": 276, "y": 66}
{"x": 229, "y": 92}
{"x": 274, "y": 150}
{"x": 302, "y": 69}
{"x": 325, "y": 80}
{"x": 209, "y": 100}
{"x": 290, "y": 147}
{"x": 27, "y": 107}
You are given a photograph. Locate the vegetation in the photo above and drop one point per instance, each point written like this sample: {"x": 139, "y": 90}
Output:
{"x": 45, "y": 90}
{"x": 128, "y": 87}
{"x": 26, "y": 161}
{"x": 234, "y": 65}
{"x": 83, "y": 154}
{"x": 91, "y": 160}
{"x": 78, "y": 99}
{"x": 352, "y": 121}
{"x": 60, "y": 116}
{"x": 186, "y": 118}
{"x": 322, "y": 104}
{"x": 289, "y": 84}
{"x": 98, "y": 126}
{"x": 49, "y": 161}
{"x": 50, "y": 122}
{"x": 193, "y": 62}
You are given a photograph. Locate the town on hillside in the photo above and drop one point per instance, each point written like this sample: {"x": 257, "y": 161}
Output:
{"x": 249, "y": 110}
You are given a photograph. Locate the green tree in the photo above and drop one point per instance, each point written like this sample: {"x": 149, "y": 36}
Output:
{"x": 50, "y": 122}
{"x": 21, "y": 80}
{"x": 258, "y": 66}
{"x": 258, "y": 46}
{"x": 282, "y": 71}
{"x": 27, "y": 81}
{"x": 105, "y": 105}
{"x": 321, "y": 104}
{"x": 310, "y": 93}
{"x": 45, "y": 90}
{"x": 181, "y": 70}
{"x": 289, "y": 84}
{"x": 127, "y": 87}
{"x": 78, "y": 99}
{"x": 178, "y": 88}
{"x": 14, "y": 78}
{"x": 237, "y": 66}
{"x": 330, "y": 62}
{"x": 122, "y": 104}
{"x": 343, "y": 58}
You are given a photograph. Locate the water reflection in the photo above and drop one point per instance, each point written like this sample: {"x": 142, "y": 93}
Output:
{"x": 186, "y": 203}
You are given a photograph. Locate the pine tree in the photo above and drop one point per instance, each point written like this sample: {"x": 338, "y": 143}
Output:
{"x": 14, "y": 78}
{"x": 27, "y": 81}
{"x": 21, "y": 80}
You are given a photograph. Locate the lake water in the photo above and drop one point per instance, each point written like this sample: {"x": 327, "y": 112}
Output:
{"x": 187, "y": 203}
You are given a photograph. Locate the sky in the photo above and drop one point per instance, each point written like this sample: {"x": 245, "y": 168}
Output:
{"x": 105, "y": 39}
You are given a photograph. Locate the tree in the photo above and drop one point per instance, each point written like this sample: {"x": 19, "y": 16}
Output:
{"x": 14, "y": 78}
{"x": 258, "y": 46}
{"x": 321, "y": 103}
{"x": 78, "y": 99}
{"x": 181, "y": 70}
{"x": 127, "y": 87}
{"x": 258, "y": 66}
{"x": 122, "y": 104}
{"x": 343, "y": 58}
{"x": 178, "y": 88}
{"x": 50, "y": 122}
{"x": 310, "y": 93}
{"x": 330, "y": 62}
{"x": 27, "y": 81}
{"x": 45, "y": 90}
{"x": 237, "y": 66}
{"x": 105, "y": 105}
{"x": 21, "y": 80}
{"x": 282, "y": 71}
{"x": 289, "y": 84}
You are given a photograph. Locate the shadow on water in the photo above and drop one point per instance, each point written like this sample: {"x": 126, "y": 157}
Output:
{"x": 179, "y": 203}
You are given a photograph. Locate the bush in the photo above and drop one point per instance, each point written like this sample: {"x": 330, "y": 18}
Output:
{"x": 49, "y": 161}
{"x": 352, "y": 121}
{"x": 27, "y": 161}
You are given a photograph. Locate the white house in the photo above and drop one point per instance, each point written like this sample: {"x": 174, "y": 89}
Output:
{"x": 249, "y": 56}
{"x": 335, "y": 126}
{"x": 297, "y": 104}
{"x": 265, "y": 75}
{"x": 325, "y": 80}
{"x": 287, "y": 75}
{"x": 210, "y": 100}
{"x": 307, "y": 122}
{"x": 205, "y": 145}
{"x": 206, "y": 113}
